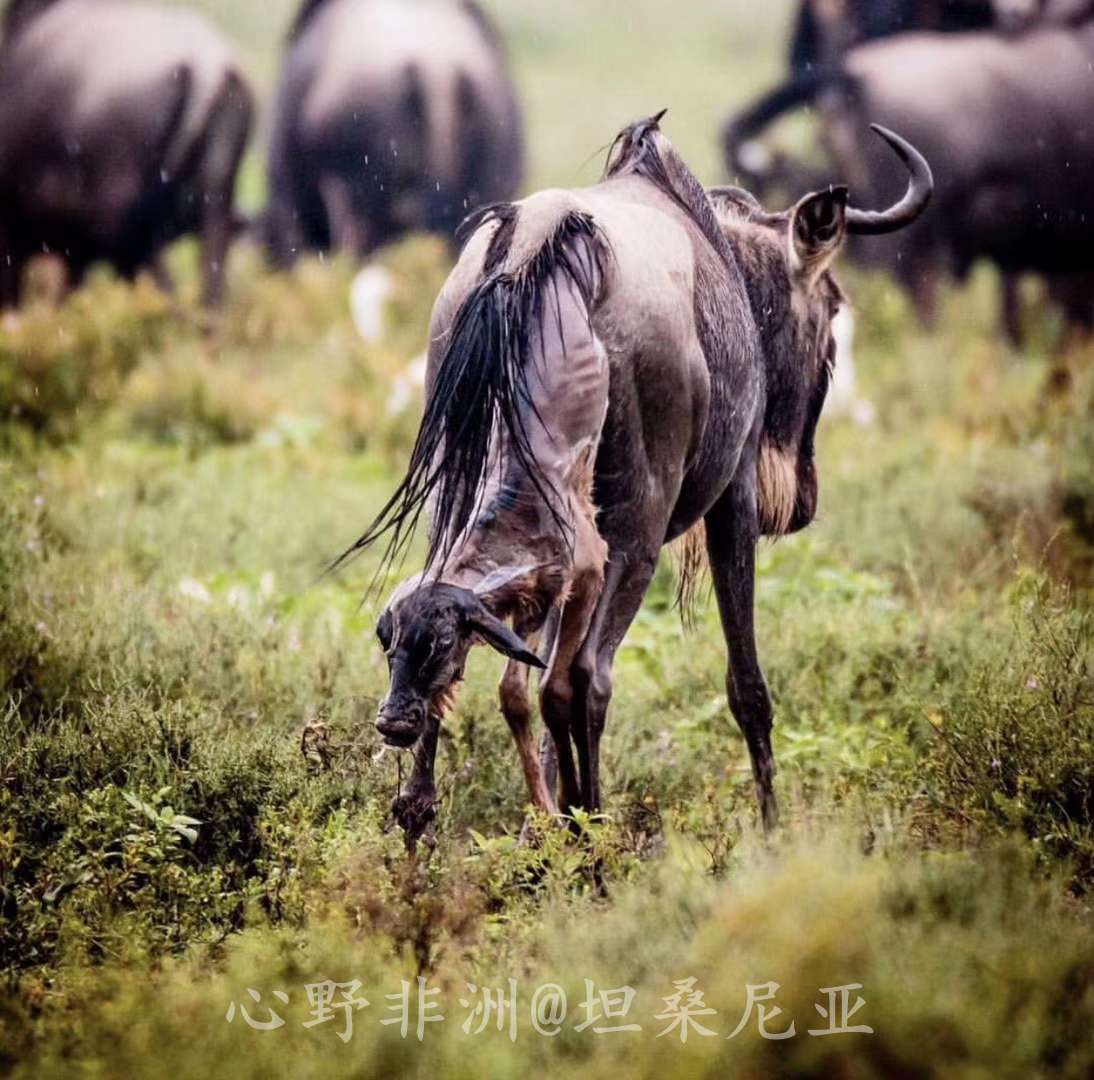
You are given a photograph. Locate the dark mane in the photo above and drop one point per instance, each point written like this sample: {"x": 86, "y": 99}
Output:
{"x": 642, "y": 149}
{"x": 482, "y": 386}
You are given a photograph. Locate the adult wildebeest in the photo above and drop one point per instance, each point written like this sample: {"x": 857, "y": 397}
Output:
{"x": 121, "y": 128}
{"x": 607, "y": 368}
{"x": 390, "y": 116}
{"x": 824, "y": 30}
{"x": 1008, "y": 125}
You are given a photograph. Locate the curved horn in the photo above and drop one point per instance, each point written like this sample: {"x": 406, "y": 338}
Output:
{"x": 915, "y": 200}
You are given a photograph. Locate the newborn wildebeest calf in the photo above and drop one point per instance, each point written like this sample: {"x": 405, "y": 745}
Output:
{"x": 608, "y": 368}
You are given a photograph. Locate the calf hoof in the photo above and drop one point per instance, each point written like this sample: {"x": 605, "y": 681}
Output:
{"x": 414, "y": 814}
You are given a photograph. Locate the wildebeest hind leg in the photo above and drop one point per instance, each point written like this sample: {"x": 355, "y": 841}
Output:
{"x": 11, "y": 271}
{"x": 347, "y": 231}
{"x": 732, "y": 531}
{"x": 625, "y": 584}
{"x": 556, "y": 693}
{"x": 226, "y": 140}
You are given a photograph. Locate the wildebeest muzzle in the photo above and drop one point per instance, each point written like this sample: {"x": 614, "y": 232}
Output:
{"x": 401, "y": 720}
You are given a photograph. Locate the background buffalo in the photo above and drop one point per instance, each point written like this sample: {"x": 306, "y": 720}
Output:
{"x": 389, "y": 116}
{"x": 121, "y": 128}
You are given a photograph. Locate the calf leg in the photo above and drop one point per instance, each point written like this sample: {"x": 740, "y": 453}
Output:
{"x": 517, "y": 710}
{"x": 1011, "y": 309}
{"x": 415, "y": 807}
{"x": 732, "y": 531}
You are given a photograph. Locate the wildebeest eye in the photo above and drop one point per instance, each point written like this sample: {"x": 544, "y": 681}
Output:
{"x": 384, "y": 629}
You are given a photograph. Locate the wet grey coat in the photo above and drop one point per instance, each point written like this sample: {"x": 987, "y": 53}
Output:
{"x": 121, "y": 128}
{"x": 1008, "y": 126}
{"x": 609, "y": 368}
{"x": 391, "y": 115}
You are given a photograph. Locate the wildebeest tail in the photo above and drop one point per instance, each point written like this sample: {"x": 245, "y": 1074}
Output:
{"x": 481, "y": 384}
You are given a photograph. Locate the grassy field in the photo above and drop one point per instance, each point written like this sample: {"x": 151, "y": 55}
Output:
{"x": 193, "y": 809}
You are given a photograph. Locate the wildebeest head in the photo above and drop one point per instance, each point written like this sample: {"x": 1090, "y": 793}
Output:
{"x": 786, "y": 260}
{"x": 426, "y": 633}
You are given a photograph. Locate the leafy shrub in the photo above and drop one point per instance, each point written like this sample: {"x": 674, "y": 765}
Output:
{"x": 1014, "y": 747}
{"x": 59, "y": 369}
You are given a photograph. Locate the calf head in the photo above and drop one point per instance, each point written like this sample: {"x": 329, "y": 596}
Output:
{"x": 786, "y": 259}
{"x": 426, "y": 632}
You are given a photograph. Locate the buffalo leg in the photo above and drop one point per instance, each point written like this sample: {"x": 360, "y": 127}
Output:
{"x": 732, "y": 531}
{"x": 416, "y": 805}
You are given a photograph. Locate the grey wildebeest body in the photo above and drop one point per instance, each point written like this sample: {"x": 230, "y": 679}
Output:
{"x": 391, "y": 115}
{"x": 122, "y": 126}
{"x": 608, "y": 367}
{"x": 1008, "y": 125}
{"x": 825, "y": 30}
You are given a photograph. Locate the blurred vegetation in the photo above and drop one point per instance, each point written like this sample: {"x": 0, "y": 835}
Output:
{"x": 192, "y": 798}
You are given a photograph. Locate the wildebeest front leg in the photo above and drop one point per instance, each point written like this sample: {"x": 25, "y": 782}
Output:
{"x": 732, "y": 532}
{"x": 415, "y": 807}
{"x": 347, "y": 229}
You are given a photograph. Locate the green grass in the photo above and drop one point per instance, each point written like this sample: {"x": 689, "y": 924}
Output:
{"x": 192, "y": 802}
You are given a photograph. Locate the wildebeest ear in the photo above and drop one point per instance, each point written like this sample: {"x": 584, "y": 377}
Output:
{"x": 818, "y": 227}
{"x": 497, "y": 635}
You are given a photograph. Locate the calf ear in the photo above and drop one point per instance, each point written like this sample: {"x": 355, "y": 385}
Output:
{"x": 385, "y": 629}
{"x": 818, "y": 227}
{"x": 496, "y": 634}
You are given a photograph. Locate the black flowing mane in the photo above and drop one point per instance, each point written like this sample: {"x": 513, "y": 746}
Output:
{"x": 641, "y": 149}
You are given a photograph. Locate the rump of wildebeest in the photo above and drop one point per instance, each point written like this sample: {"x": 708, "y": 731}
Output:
{"x": 391, "y": 116}
{"x": 122, "y": 126}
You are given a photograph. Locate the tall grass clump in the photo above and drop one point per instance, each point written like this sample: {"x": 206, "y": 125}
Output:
{"x": 60, "y": 369}
{"x": 1013, "y": 748}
